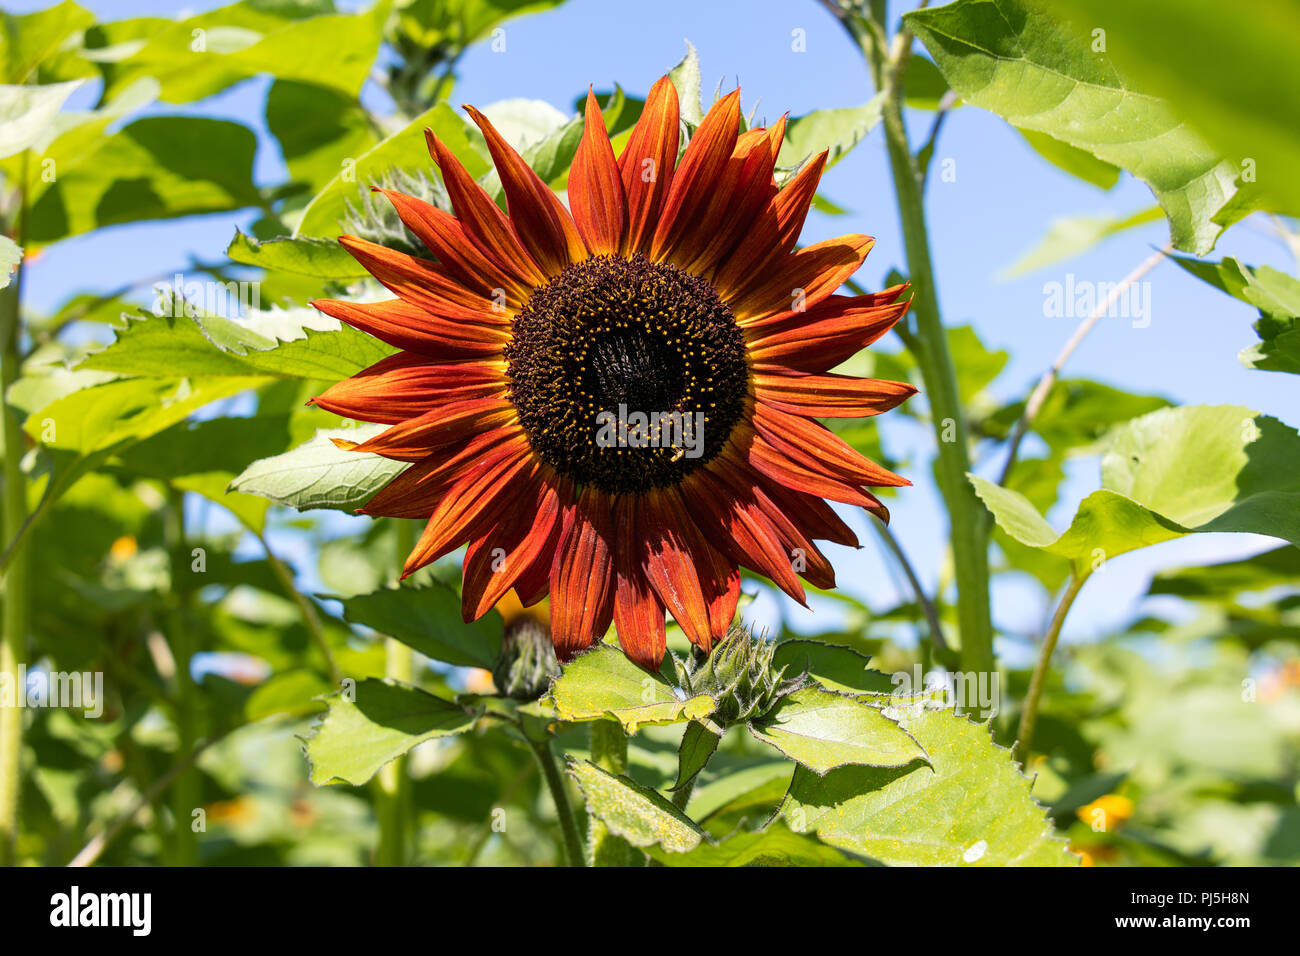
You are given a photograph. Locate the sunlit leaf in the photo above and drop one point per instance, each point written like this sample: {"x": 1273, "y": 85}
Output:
{"x": 821, "y": 730}
{"x": 378, "y": 721}
{"x": 1041, "y": 74}
{"x": 603, "y": 683}
{"x": 969, "y": 806}
{"x": 319, "y": 474}
{"x": 429, "y": 620}
{"x": 639, "y": 815}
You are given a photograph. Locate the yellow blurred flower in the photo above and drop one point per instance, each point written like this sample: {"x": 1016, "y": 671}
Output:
{"x": 1110, "y": 811}
{"x": 123, "y": 548}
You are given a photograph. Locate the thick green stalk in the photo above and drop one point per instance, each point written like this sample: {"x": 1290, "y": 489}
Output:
{"x": 1029, "y": 715}
{"x": 13, "y": 627}
{"x": 967, "y": 520}
{"x": 574, "y": 854}
{"x": 394, "y": 806}
{"x": 609, "y": 752}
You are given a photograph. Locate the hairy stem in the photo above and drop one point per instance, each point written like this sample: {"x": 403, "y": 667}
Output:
{"x": 574, "y": 854}
{"x": 1029, "y": 715}
{"x": 968, "y": 525}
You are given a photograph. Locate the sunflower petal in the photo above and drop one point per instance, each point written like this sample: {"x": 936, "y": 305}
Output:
{"x": 830, "y": 395}
{"x": 444, "y": 236}
{"x": 582, "y": 576}
{"x": 405, "y": 385}
{"x": 408, "y": 327}
{"x": 482, "y": 218}
{"x": 595, "y": 187}
{"x": 705, "y": 158}
{"x": 799, "y": 281}
{"x": 494, "y": 562}
{"x": 638, "y": 615}
{"x": 773, "y": 233}
{"x": 539, "y": 217}
{"x": 829, "y": 333}
{"x": 646, "y": 165}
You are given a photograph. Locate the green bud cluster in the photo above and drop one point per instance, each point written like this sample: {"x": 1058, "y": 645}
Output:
{"x": 526, "y": 665}
{"x": 739, "y": 675}
{"x": 373, "y": 217}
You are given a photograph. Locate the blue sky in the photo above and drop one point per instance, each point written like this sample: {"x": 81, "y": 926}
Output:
{"x": 999, "y": 206}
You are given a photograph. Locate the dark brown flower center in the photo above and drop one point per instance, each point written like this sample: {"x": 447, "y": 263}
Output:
{"x": 627, "y": 375}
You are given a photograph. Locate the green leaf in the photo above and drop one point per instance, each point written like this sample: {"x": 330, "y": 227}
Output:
{"x": 203, "y": 457}
{"x": 405, "y": 149}
{"x": 822, "y": 730}
{"x": 291, "y": 694}
{"x": 158, "y": 167}
{"x": 205, "y": 54}
{"x": 429, "y": 620}
{"x": 1076, "y": 414}
{"x": 604, "y": 683}
{"x": 27, "y": 113}
{"x": 383, "y": 721}
{"x": 10, "y": 255}
{"x": 1173, "y": 472}
{"x": 317, "y": 128}
{"x": 774, "y": 845}
{"x": 837, "y": 130}
{"x": 1075, "y": 235}
{"x": 319, "y": 474}
{"x": 297, "y": 343}
{"x": 27, "y": 40}
{"x": 698, "y": 744}
{"x": 639, "y": 815}
{"x": 1226, "y": 580}
{"x": 686, "y": 78}
{"x": 114, "y": 414}
{"x": 969, "y": 806}
{"x": 458, "y": 23}
{"x": 1275, "y": 294}
{"x": 834, "y": 666}
{"x": 1041, "y": 75}
{"x": 1244, "y": 98}
{"x": 1077, "y": 162}
{"x": 322, "y": 258}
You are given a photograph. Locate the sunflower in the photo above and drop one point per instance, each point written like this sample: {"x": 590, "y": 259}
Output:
{"x": 614, "y": 403}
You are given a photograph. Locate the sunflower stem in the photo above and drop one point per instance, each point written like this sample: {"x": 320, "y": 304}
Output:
{"x": 967, "y": 520}
{"x": 1029, "y": 714}
{"x": 574, "y": 854}
{"x": 609, "y": 753}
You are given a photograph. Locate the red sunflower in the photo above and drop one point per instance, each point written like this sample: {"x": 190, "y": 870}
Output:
{"x": 536, "y": 346}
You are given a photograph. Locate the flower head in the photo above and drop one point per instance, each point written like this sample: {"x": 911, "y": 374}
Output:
{"x": 614, "y": 403}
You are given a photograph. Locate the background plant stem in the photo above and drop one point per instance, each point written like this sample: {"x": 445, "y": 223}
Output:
{"x": 13, "y": 627}
{"x": 393, "y": 796}
{"x": 185, "y": 795}
{"x": 1029, "y": 715}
